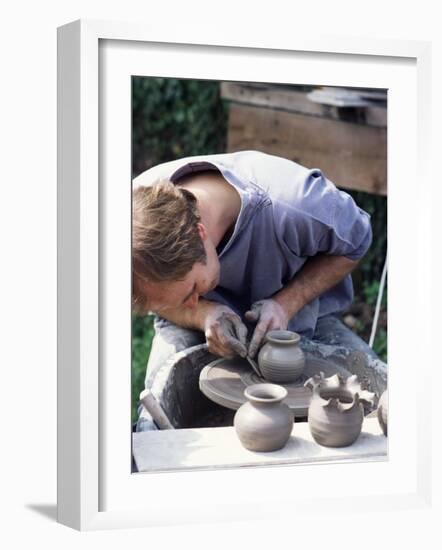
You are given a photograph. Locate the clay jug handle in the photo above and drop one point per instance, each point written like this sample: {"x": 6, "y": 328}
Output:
{"x": 314, "y": 381}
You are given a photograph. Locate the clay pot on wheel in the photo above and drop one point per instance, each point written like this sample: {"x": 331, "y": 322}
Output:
{"x": 264, "y": 423}
{"x": 281, "y": 359}
{"x": 383, "y": 412}
{"x": 336, "y": 412}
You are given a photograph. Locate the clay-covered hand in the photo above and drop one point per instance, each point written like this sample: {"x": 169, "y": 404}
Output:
{"x": 269, "y": 315}
{"x": 225, "y": 333}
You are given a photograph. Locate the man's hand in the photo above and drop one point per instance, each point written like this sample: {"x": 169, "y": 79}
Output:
{"x": 226, "y": 335}
{"x": 318, "y": 275}
{"x": 269, "y": 315}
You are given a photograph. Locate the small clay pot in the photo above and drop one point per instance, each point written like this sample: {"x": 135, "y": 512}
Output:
{"x": 336, "y": 413}
{"x": 281, "y": 359}
{"x": 264, "y": 422}
{"x": 383, "y": 412}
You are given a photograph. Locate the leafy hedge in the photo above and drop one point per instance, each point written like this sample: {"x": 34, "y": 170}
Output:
{"x": 142, "y": 334}
{"x": 175, "y": 118}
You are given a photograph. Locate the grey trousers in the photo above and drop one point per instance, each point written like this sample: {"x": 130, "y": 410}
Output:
{"x": 170, "y": 339}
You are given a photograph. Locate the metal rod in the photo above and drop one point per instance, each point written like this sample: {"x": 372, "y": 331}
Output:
{"x": 378, "y": 305}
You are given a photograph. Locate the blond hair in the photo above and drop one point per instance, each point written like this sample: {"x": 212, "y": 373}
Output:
{"x": 165, "y": 238}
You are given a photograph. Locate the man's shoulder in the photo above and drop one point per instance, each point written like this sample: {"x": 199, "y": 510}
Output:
{"x": 251, "y": 164}
{"x": 158, "y": 172}
{"x": 282, "y": 180}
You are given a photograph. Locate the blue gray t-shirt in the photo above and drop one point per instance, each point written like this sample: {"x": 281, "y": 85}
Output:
{"x": 288, "y": 214}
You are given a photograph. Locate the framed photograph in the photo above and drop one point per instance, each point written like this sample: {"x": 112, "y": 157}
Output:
{"x": 110, "y": 476}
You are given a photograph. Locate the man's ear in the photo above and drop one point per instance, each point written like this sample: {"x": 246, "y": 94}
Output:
{"x": 202, "y": 231}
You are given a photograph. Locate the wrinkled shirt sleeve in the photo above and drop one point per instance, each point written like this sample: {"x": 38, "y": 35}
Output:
{"x": 324, "y": 220}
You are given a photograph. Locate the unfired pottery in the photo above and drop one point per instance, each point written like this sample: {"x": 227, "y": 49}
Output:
{"x": 383, "y": 412}
{"x": 281, "y": 359}
{"x": 264, "y": 422}
{"x": 336, "y": 413}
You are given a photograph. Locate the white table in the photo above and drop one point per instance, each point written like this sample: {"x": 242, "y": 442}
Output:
{"x": 212, "y": 448}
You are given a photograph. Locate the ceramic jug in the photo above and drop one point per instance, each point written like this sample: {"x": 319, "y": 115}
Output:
{"x": 336, "y": 411}
{"x": 281, "y": 359}
{"x": 264, "y": 422}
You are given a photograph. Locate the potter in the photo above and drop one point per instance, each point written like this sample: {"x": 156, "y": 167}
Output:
{"x": 221, "y": 240}
{"x": 264, "y": 423}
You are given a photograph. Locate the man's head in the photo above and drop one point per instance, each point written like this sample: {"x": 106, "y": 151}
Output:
{"x": 173, "y": 259}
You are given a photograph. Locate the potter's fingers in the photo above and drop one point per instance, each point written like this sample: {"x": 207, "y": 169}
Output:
{"x": 229, "y": 325}
{"x": 215, "y": 348}
{"x": 213, "y": 342}
{"x": 236, "y": 346}
{"x": 228, "y": 340}
{"x": 226, "y": 344}
{"x": 240, "y": 330}
{"x": 257, "y": 338}
{"x": 251, "y": 316}
{"x": 276, "y": 325}
{"x": 224, "y": 350}
{"x": 254, "y": 313}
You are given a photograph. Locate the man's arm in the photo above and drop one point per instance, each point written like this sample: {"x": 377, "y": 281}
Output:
{"x": 326, "y": 226}
{"x": 319, "y": 274}
{"x": 189, "y": 318}
{"x": 224, "y": 331}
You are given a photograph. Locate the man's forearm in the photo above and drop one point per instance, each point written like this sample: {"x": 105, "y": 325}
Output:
{"x": 318, "y": 275}
{"x": 189, "y": 318}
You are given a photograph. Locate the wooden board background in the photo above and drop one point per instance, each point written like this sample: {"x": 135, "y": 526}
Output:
{"x": 296, "y": 99}
{"x": 353, "y": 156}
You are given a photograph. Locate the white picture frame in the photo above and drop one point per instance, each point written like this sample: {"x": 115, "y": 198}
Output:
{"x": 95, "y": 488}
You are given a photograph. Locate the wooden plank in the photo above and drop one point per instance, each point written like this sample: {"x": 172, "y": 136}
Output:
{"x": 292, "y": 100}
{"x": 264, "y": 95}
{"x": 353, "y": 156}
{"x": 210, "y": 448}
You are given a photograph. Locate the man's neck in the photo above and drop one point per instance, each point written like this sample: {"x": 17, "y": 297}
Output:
{"x": 219, "y": 203}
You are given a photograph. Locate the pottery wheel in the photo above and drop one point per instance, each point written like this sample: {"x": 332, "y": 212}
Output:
{"x": 224, "y": 381}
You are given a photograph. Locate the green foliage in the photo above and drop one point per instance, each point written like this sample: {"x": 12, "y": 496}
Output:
{"x": 373, "y": 262}
{"x": 380, "y": 344}
{"x": 371, "y": 291}
{"x": 175, "y": 118}
{"x": 368, "y": 274}
{"x": 142, "y": 334}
